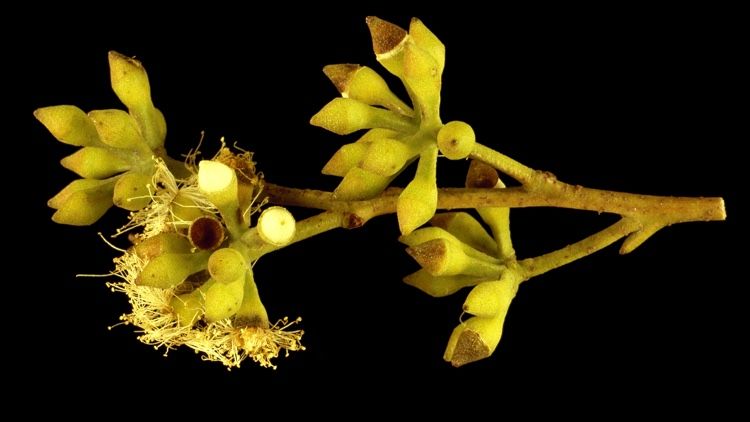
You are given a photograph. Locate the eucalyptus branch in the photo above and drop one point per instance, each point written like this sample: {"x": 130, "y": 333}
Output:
{"x": 189, "y": 273}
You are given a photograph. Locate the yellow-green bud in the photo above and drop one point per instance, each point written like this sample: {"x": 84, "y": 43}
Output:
{"x": 345, "y": 115}
{"x": 92, "y": 185}
{"x": 252, "y": 312}
{"x": 481, "y": 175}
{"x": 360, "y": 184}
{"x": 117, "y": 128}
{"x": 388, "y": 44}
{"x": 69, "y": 124}
{"x": 276, "y": 225}
{"x": 423, "y": 81}
{"x": 171, "y": 269}
{"x": 167, "y": 242}
{"x": 348, "y": 156}
{"x": 439, "y": 286}
{"x": 84, "y": 207}
{"x": 131, "y": 191}
{"x": 95, "y": 163}
{"x": 473, "y": 340}
{"x": 426, "y": 234}
{"x": 466, "y": 229}
{"x": 363, "y": 84}
{"x": 226, "y": 265}
{"x": 417, "y": 203}
{"x": 130, "y": 83}
{"x": 441, "y": 257}
{"x": 456, "y": 140}
{"x": 188, "y": 308}
{"x": 386, "y": 157}
{"x": 491, "y": 298}
{"x": 426, "y": 40}
{"x": 224, "y": 299}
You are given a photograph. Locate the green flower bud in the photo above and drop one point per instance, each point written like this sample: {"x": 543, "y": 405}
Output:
{"x": 386, "y": 157}
{"x": 69, "y": 124}
{"x": 466, "y": 229}
{"x": 347, "y": 157}
{"x": 426, "y": 234}
{"x": 226, "y": 265}
{"x": 418, "y": 201}
{"x": 103, "y": 186}
{"x": 130, "y": 83}
{"x": 95, "y": 163}
{"x": 423, "y": 81}
{"x": 441, "y": 257}
{"x": 251, "y": 312}
{"x": 456, "y": 140}
{"x": 188, "y": 308}
{"x": 427, "y": 41}
{"x": 345, "y": 115}
{"x": 363, "y": 84}
{"x": 388, "y": 44}
{"x": 491, "y": 298}
{"x": 276, "y": 225}
{"x": 117, "y": 129}
{"x": 439, "y": 286}
{"x": 171, "y": 269}
{"x": 83, "y": 207}
{"x": 168, "y": 242}
{"x": 473, "y": 340}
{"x": 360, "y": 184}
{"x": 481, "y": 175}
{"x": 224, "y": 299}
{"x": 131, "y": 191}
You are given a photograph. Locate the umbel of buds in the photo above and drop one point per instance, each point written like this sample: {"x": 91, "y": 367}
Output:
{"x": 398, "y": 134}
{"x": 114, "y": 160}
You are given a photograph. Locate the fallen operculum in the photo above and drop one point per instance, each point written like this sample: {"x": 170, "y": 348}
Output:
{"x": 222, "y": 341}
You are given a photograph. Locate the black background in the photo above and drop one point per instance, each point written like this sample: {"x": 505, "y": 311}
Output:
{"x": 629, "y": 99}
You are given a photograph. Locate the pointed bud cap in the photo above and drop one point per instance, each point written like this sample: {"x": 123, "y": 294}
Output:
{"x": 388, "y": 43}
{"x": 491, "y": 298}
{"x": 364, "y": 84}
{"x": 473, "y": 340}
{"x": 359, "y": 184}
{"x": 95, "y": 163}
{"x": 466, "y": 229}
{"x": 84, "y": 207}
{"x": 68, "y": 124}
{"x": 347, "y": 157}
{"x": 345, "y": 115}
{"x": 426, "y": 40}
{"x": 117, "y": 129}
{"x": 437, "y": 286}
